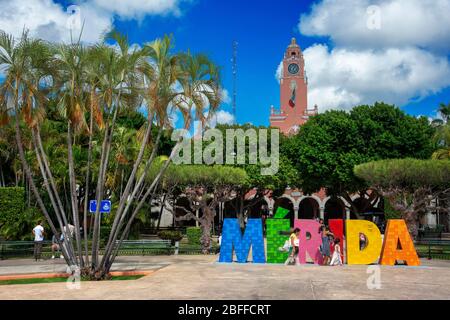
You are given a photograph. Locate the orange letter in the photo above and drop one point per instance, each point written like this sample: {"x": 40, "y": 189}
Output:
{"x": 397, "y": 235}
{"x": 372, "y": 234}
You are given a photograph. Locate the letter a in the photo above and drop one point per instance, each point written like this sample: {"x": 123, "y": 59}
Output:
{"x": 397, "y": 233}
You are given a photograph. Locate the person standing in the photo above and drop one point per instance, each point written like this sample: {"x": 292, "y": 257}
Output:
{"x": 325, "y": 234}
{"x": 336, "y": 260}
{"x": 55, "y": 245}
{"x": 295, "y": 243}
{"x": 38, "y": 233}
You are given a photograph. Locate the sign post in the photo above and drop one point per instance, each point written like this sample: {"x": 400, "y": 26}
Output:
{"x": 105, "y": 206}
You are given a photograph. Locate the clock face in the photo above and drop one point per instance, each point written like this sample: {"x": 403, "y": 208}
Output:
{"x": 293, "y": 68}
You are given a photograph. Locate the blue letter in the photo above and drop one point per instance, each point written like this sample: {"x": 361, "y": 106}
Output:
{"x": 232, "y": 238}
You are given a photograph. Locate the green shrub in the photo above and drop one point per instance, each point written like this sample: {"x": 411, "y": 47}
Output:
{"x": 104, "y": 233}
{"x": 390, "y": 212}
{"x": 16, "y": 221}
{"x": 173, "y": 236}
{"x": 194, "y": 235}
{"x": 12, "y": 203}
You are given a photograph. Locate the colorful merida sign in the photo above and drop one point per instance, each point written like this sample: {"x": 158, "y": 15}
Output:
{"x": 397, "y": 243}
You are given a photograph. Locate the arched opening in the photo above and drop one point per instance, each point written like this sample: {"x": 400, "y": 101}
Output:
{"x": 258, "y": 209}
{"x": 370, "y": 212}
{"x": 229, "y": 210}
{"x": 334, "y": 209}
{"x": 286, "y": 204}
{"x": 308, "y": 209}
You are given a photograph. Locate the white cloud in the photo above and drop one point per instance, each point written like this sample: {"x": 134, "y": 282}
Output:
{"x": 402, "y": 57}
{"x": 51, "y": 21}
{"x": 342, "y": 78}
{"x": 225, "y": 96}
{"x": 220, "y": 117}
{"x": 136, "y": 9}
{"x": 48, "y": 20}
{"x": 174, "y": 116}
{"x": 224, "y": 117}
{"x": 422, "y": 23}
{"x": 279, "y": 72}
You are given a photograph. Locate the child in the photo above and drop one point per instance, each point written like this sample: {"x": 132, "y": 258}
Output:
{"x": 293, "y": 247}
{"x": 336, "y": 259}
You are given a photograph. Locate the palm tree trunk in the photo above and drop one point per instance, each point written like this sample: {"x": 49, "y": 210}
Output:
{"x": 101, "y": 180}
{"x": 26, "y": 167}
{"x": 108, "y": 260}
{"x": 98, "y": 196}
{"x": 70, "y": 249}
{"x": 86, "y": 198}
{"x": 121, "y": 211}
{"x": 127, "y": 190}
{"x": 2, "y": 178}
{"x": 73, "y": 193}
{"x": 60, "y": 207}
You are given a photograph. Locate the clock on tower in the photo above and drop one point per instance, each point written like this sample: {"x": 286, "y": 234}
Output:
{"x": 293, "y": 92}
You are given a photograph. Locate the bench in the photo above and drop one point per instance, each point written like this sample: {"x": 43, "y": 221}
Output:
{"x": 435, "y": 248}
{"x": 431, "y": 232}
{"x": 22, "y": 249}
{"x": 145, "y": 247}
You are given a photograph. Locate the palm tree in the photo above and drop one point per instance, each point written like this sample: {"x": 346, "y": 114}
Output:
{"x": 99, "y": 83}
{"x": 442, "y": 135}
{"x": 183, "y": 82}
{"x": 27, "y": 64}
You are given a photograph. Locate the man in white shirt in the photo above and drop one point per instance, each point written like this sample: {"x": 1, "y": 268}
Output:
{"x": 38, "y": 233}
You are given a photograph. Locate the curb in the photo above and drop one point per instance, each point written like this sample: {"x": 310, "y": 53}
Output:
{"x": 66, "y": 275}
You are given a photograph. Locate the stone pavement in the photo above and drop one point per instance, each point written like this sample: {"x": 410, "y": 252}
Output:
{"x": 201, "y": 277}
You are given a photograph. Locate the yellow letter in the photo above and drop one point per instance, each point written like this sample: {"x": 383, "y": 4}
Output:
{"x": 372, "y": 234}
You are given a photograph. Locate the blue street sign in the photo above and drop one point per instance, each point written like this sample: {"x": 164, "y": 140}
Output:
{"x": 105, "y": 206}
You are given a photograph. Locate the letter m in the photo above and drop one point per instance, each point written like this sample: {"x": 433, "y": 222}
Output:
{"x": 232, "y": 239}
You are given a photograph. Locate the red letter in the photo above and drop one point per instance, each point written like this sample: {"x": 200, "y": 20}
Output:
{"x": 337, "y": 228}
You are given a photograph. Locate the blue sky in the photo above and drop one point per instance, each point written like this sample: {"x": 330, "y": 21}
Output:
{"x": 396, "y": 66}
{"x": 263, "y": 30}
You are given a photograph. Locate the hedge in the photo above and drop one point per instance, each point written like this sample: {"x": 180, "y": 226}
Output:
{"x": 12, "y": 203}
{"x": 194, "y": 235}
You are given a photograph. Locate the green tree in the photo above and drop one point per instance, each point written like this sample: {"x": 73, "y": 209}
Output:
{"x": 442, "y": 135}
{"x": 91, "y": 87}
{"x": 204, "y": 187}
{"x": 329, "y": 145}
{"x": 412, "y": 186}
{"x": 257, "y": 183}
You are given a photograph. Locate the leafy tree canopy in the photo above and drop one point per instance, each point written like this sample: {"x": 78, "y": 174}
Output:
{"x": 408, "y": 174}
{"x": 329, "y": 145}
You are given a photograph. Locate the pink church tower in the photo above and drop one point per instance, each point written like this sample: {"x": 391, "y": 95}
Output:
{"x": 293, "y": 93}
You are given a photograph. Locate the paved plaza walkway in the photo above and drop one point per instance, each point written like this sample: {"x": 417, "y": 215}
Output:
{"x": 201, "y": 277}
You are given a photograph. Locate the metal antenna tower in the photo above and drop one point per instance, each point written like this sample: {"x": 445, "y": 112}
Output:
{"x": 234, "y": 66}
